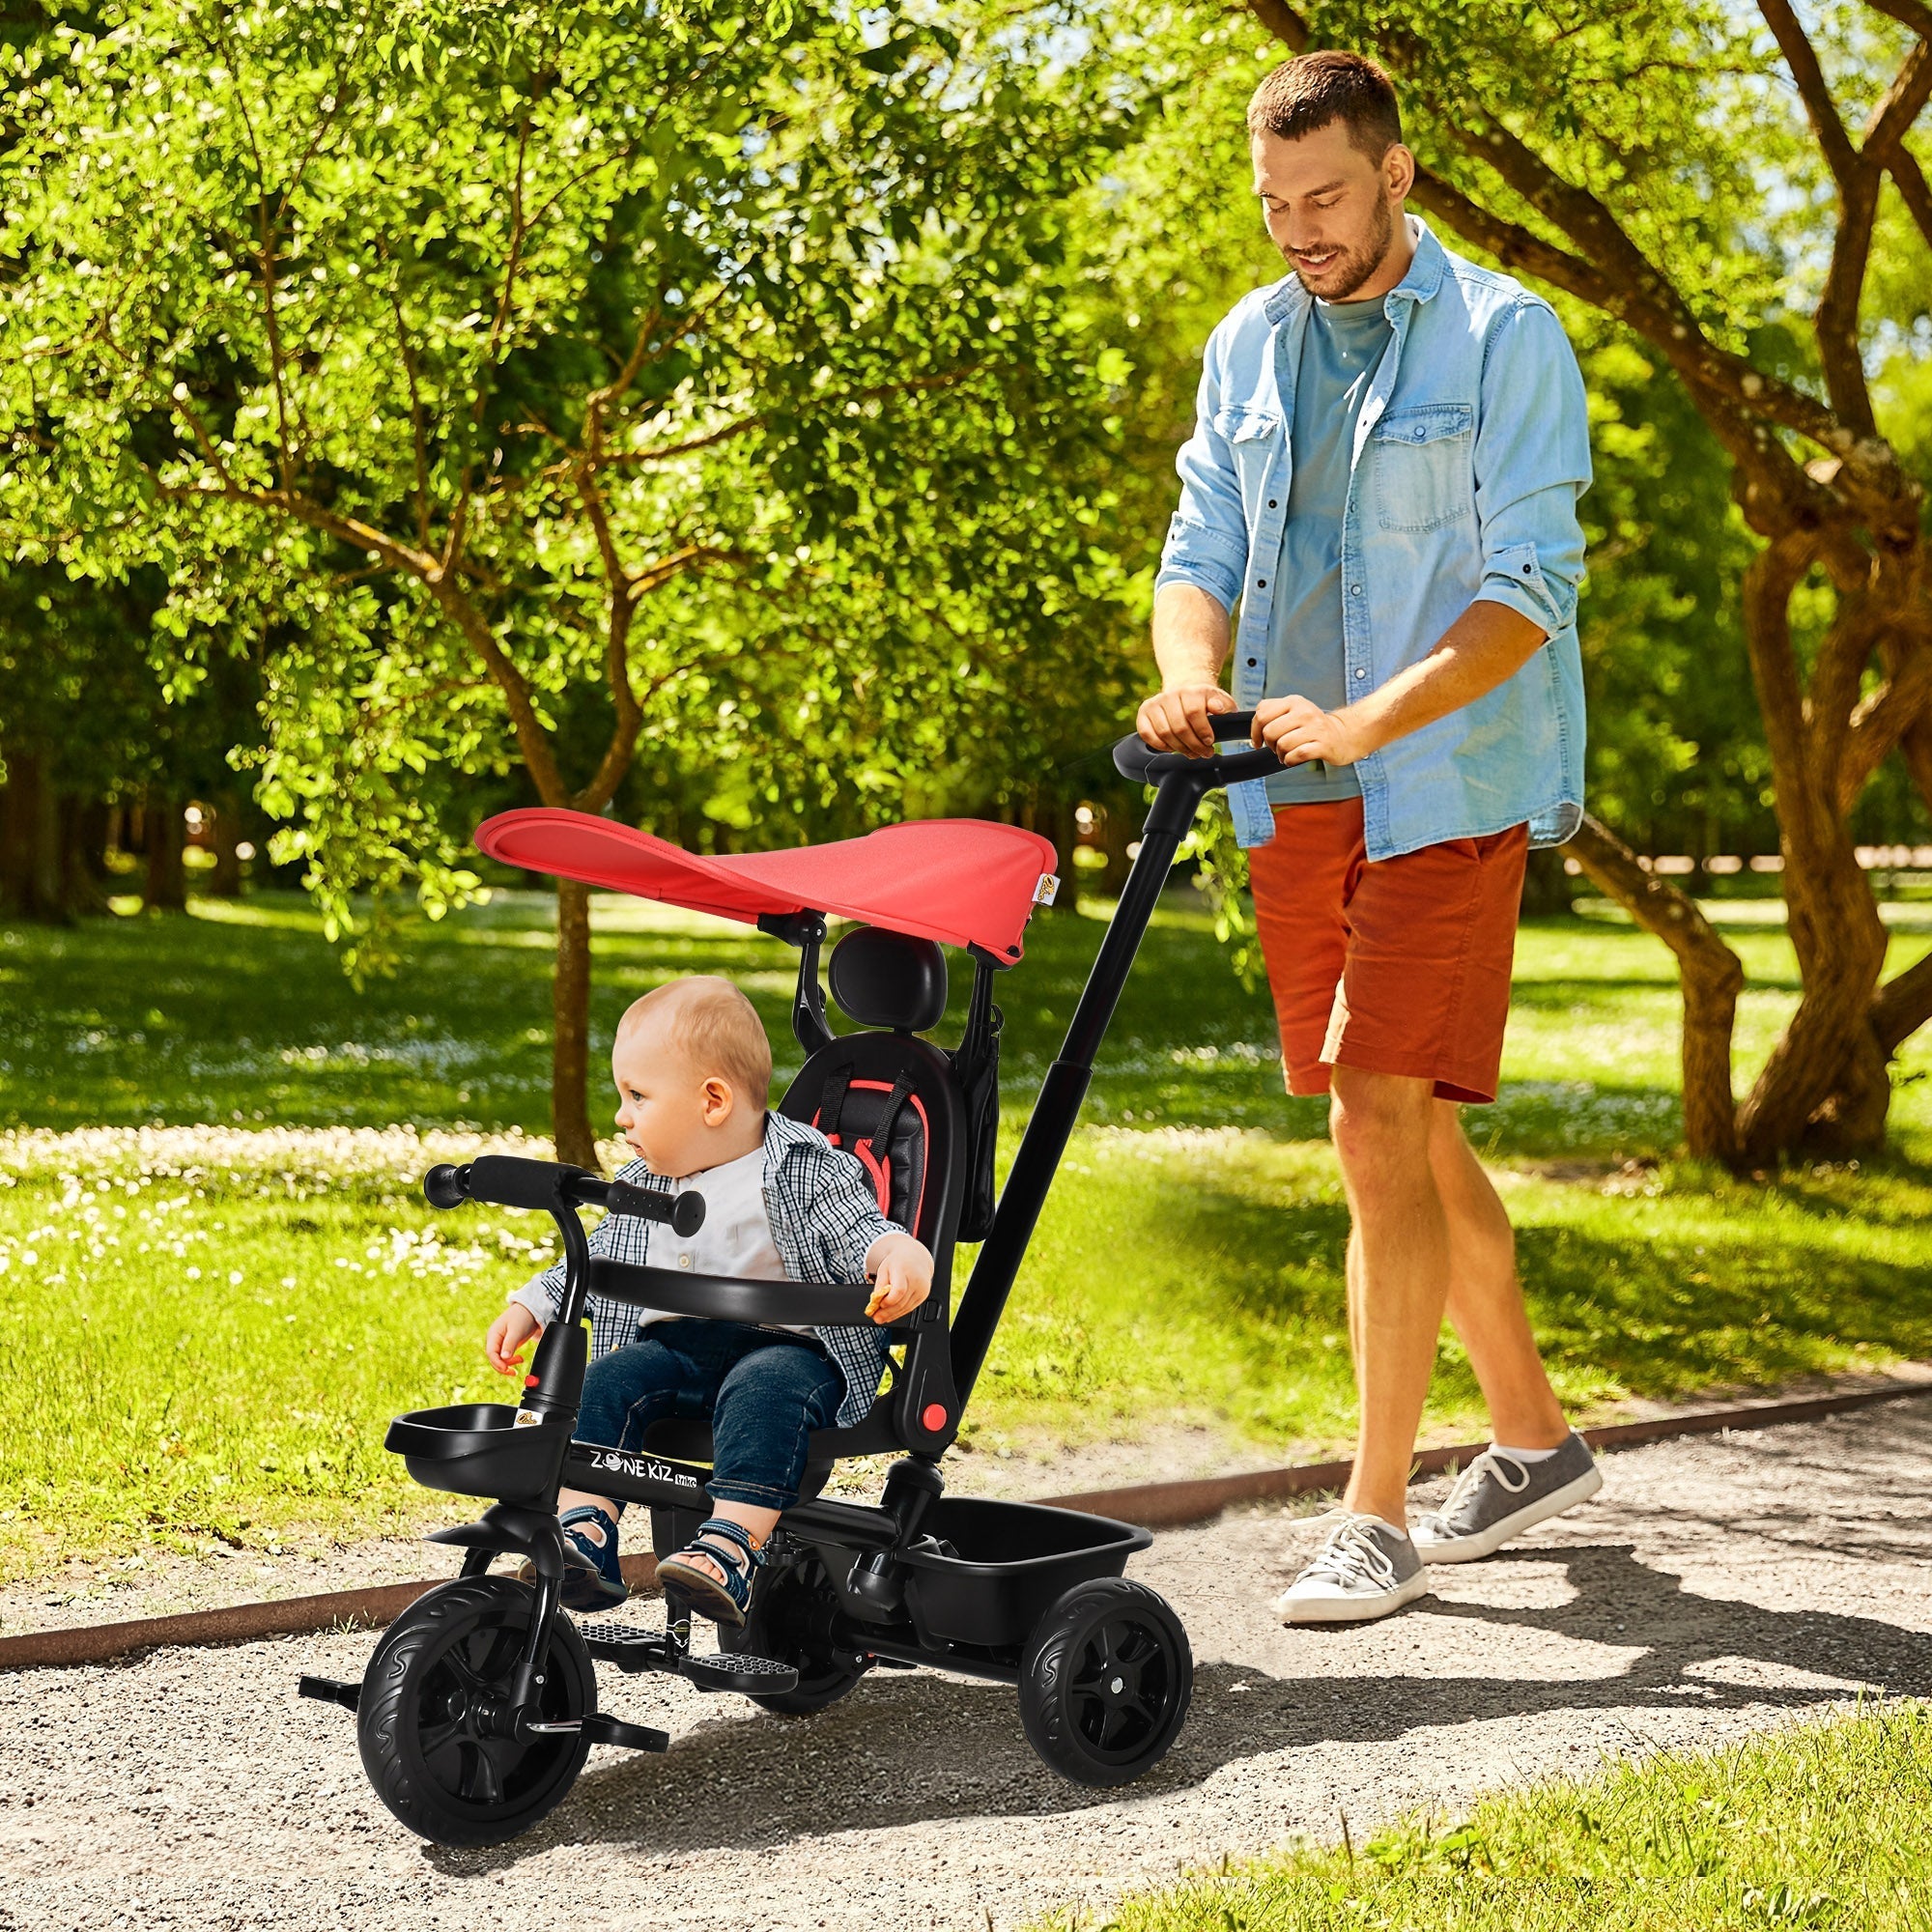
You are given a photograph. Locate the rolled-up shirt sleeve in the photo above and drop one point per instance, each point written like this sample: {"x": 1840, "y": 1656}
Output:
{"x": 1532, "y": 460}
{"x": 1207, "y": 538}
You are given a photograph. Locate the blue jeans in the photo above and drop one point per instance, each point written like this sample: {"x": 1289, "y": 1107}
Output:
{"x": 762, "y": 1396}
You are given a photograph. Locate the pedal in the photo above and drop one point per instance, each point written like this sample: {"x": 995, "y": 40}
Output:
{"x": 629, "y": 1647}
{"x": 601, "y": 1728}
{"x": 329, "y": 1691}
{"x": 735, "y": 1670}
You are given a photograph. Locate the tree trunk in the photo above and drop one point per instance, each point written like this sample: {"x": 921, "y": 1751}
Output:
{"x": 570, "y": 1052}
{"x": 1118, "y": 828}
{"x": 31, "y": 885}
{"x": 1711, "y": 978}
{"x": 83, "y": 841}
{"x": 1828, "y": 1045}
{"x": 167, "y": 877}
{"x": 224, "y": 882}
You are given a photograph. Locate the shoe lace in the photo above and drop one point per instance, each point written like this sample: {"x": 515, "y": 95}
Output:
{"x": 1490, "y": 1463}
{"x": 1353, "y": 1554}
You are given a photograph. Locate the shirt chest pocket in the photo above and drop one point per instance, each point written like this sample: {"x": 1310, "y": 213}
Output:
{"x": 1424, "y": 471}
{"x": 1254, "y": 440}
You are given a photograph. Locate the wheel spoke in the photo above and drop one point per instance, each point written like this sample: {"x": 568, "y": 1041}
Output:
{"x": 480, "y": 1783}
{"x": 435, "y": 1737}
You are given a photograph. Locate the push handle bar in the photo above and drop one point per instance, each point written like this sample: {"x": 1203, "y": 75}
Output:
{"x": 1139, "y": 762}
{"x": 506, "y": 1181}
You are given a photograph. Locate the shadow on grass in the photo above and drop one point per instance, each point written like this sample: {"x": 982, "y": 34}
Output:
{"x": 1659, "y": 1295}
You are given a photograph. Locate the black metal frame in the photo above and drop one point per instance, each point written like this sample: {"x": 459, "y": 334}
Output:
{"x": 870, "y": 1552}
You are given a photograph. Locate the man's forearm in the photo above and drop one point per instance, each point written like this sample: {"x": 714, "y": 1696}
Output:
{"x": 1486, "y": 645}
{"x": 1190, "y": 637}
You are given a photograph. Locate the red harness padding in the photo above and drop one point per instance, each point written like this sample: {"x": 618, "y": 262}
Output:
{"x": 874, "y": 1150}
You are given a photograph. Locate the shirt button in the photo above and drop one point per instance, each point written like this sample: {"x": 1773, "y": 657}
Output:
{"x": 684, "y": 1260}
{"x": 1361, "y": 674}
{"x": 1270, "y": 502}
{"x": 1354, "y": 590}
{"x": 1251, "y": 663}
{"x": 1525, "y": 570}
{"x": 1418, "y": 435}
{"x": 1261, "y": 583}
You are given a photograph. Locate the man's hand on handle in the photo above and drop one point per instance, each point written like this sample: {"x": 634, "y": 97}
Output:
{"x": 1176, "y": 720}
{"x": 1300, "y": 732}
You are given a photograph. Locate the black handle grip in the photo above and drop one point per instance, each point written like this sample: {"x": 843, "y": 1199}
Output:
{"x": 444, "y": 1187}
{"x": 1140, "y": 763}
{"x": 508, "y": 1180}
{"x": 684, "y": 1212}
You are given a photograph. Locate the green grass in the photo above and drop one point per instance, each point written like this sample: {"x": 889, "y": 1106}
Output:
{"x": 1821, "y": 1825}
{"x": 215, "y": 1326}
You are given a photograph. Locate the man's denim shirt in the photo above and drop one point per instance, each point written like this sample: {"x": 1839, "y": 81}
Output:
{"x": 1471, "y": 452}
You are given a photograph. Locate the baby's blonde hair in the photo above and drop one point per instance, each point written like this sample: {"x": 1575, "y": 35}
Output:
{"x": 714, "y": 1027}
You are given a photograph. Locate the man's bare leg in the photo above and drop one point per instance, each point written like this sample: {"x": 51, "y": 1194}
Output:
{"x": 1383, "y": 1125}
{"x": 1484, "y": 1301}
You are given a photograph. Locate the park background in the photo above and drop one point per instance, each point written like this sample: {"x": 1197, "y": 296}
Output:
{"x": 757, "y": 422}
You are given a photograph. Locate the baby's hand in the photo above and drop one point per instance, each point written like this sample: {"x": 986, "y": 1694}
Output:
{"x": 507, "y": 1335}
{"x": 902, "y": 1269}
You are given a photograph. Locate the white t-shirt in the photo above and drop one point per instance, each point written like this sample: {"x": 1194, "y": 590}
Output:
{"x": 736, "y": 1237}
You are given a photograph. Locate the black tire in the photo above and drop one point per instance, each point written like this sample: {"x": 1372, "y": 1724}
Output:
{"x": 416, "y": 1723}
{"x": 1105, "y": 1682}
{"x": 795, "y": 1619}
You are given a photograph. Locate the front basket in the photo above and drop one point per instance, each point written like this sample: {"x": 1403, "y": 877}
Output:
{"x": 477, "y": 1449}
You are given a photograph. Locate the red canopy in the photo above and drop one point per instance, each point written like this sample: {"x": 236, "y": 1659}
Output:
{"x": 961, "y": 881}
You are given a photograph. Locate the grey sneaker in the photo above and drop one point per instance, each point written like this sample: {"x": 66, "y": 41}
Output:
{"x": 1365, "y": 1570}
{"x": 1496, "y": 1498}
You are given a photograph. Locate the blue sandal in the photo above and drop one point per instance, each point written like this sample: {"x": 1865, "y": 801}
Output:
{"x": 591, "y": 1578}
{"x": 727, "y": 1545}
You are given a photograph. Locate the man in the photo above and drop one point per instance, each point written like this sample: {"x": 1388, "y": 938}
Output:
{"x": 1383, "y": 477}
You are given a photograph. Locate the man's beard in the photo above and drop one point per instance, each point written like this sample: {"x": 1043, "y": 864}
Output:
{"x": 1352, "y": 269}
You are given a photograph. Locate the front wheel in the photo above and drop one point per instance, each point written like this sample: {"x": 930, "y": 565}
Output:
{"x": 424, "y": 1721}
{"x": 1105, "y": 1682}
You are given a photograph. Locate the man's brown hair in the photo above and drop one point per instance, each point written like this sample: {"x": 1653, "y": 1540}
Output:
{"x": 1308, "y": 91}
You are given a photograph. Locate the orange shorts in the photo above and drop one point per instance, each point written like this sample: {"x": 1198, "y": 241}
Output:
{"x": 1398, "y": 966}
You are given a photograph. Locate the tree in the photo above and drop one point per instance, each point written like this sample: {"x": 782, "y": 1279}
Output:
{"x": 1645, "y": 161}
{"x": 544, "y": 386}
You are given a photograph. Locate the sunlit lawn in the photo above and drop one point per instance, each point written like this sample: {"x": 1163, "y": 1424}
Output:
{"x": 221, "y": 1324}
{"x": 1820, "y": 1826}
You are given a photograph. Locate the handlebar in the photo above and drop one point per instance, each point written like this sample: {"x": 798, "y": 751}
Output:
{"x": 507, "y": 1180}
{"x": 1140, "y": 763}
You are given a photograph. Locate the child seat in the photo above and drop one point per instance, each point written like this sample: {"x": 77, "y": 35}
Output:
{"x": 893, "y": 1100}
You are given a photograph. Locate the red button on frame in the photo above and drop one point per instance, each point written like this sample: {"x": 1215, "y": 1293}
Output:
{"x": 933, "y": 1416}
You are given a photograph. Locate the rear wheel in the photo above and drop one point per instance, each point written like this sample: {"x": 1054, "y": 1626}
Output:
{"x": 427, "y": 1722}
{"x": 794, "y": 1619}
{"x": 1105, "y": 1682}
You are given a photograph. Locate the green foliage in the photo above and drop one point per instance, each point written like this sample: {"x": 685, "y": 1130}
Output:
{"x": 504, "y": 370}
{"x": 1821, "y": 1825}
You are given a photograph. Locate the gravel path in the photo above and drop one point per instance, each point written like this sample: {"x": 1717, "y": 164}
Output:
{"x": 1718, "y": 1587}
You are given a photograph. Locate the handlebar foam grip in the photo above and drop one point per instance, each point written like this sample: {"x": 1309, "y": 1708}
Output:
{"x": 508, "y": 1180}
{"x": 684, "y": 1212}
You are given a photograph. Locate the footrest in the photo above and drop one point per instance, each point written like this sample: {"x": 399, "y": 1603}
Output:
{"x": 633, "y": 1647}
{"x": 329, "y": 1691}
{"x": 734, "y": 1670}
{"x": 629, "y": 1646}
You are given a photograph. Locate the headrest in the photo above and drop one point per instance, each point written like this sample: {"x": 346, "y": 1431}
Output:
{"x": 889, "y": 980}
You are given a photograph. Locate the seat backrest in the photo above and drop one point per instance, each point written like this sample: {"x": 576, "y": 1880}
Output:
{"x": 867, "y": 1081}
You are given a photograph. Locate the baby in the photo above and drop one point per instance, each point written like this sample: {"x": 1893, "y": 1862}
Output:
{"x": 693, "y": 1071}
